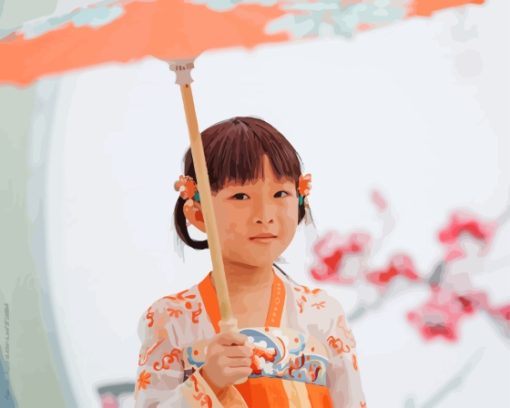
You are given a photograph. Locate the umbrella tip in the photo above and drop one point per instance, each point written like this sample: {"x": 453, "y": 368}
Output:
{"x": 182, "y": 69}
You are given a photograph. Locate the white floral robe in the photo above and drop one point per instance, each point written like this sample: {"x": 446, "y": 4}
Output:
{"x": 305, "y": 356}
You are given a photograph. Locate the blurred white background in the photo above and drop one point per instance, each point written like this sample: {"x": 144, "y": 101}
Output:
{"x": 418, "y": 110}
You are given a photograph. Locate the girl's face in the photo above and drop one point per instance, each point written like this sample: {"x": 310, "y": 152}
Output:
{"x": 268, "y": 206}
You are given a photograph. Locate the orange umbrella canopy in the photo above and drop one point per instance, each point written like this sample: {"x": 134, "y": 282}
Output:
{"x": 128, "y": 30}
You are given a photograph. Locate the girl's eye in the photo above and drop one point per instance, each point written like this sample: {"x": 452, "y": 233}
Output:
{"x": 281, "y": 192}
{"x": 239, "y": 196}
{"x": 243, "y": 196}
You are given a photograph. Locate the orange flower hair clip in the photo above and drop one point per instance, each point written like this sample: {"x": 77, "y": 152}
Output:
{"x": 304, "y": 186}
{"x": 187, "y": 188}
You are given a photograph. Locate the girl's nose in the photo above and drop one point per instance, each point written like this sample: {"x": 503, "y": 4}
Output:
{"x": 269, "y": 221}
{"x": 263, "y": 212}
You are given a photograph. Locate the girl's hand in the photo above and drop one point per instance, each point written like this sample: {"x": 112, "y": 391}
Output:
{"x": 227, "y": 361}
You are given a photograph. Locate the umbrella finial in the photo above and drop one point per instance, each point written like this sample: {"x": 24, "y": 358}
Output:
{"x": 182, "y": 69}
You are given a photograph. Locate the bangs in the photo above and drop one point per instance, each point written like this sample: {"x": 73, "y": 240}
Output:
{"x": 234, "y": 150}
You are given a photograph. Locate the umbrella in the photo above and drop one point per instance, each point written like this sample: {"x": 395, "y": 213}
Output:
{"x": 129, "y": 30}
{"x": 176, "y": 32}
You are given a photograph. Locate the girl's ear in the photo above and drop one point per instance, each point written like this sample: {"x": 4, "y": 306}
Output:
{"x": 193, "y": 213}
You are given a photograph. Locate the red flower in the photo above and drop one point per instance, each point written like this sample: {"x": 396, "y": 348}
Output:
{"x": 502, "y": 312}
{"x": 400, "y": 265}
{"x": 440, "y": 315}
{"x": 464, "y": 223}
{"x": 331, "y": 249}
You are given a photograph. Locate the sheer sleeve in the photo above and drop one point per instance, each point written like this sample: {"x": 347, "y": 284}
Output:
{"x": 160, "y": 370}
{"x": 343, "y": 376}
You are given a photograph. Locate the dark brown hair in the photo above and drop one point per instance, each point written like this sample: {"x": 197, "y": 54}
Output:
{"x": 233, "y": 152}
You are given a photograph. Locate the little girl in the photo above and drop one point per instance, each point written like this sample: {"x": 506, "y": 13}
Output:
{"x": 294, "y": 343}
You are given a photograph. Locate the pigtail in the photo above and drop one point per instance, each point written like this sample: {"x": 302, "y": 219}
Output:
{"x": 182, "y": 229}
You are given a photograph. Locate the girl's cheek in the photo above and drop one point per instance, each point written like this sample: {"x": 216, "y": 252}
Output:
{"x": 232, "y": 230}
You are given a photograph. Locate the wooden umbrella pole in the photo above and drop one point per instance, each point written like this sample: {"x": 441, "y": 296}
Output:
{"x": 182, "y": 69}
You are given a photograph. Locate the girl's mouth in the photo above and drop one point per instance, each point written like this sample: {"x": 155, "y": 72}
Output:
{"x": 263, "y": 237}
{"x": 264, "y": 241}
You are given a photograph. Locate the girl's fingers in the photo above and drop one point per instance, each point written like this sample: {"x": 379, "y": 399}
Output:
{"x": 232, "y": 338}
{"x": 224, "y": 361}
{"x": 238, "y": 362}
{"x": 238, "y": 351}
{"x": 236, "y": 373}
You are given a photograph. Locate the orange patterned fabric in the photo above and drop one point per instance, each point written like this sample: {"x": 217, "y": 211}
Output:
{"x": 305, "y": 355}
{"x": 275, "y": 310}
{"x": 319, "y": 396}
{"x": 263, "y": 392}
